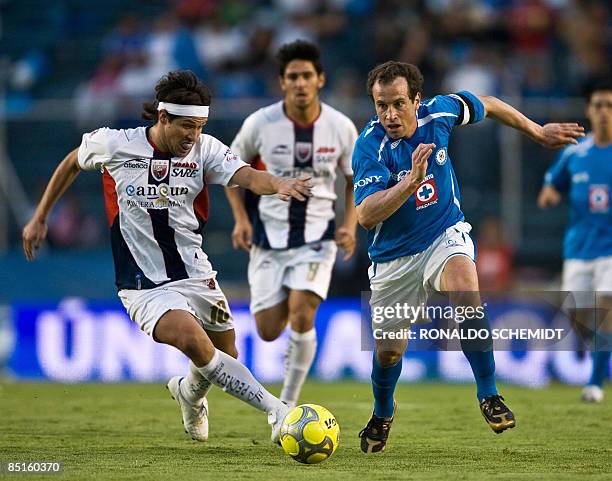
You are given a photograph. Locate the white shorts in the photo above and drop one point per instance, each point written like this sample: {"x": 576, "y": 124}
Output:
{"x": 201, "y": 297}
{"x": 585, "y": 277}
{"x": 409, "y": 280}
{"x": 305, "y": 268}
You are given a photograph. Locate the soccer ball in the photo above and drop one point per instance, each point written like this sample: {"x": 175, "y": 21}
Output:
{"x": 310, "y": 434}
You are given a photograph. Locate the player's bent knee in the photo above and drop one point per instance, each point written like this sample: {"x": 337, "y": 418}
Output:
{"x": 195, "y": 344}
{"x": 268, "y": 327}
{"x": 301, "y": 321}
{"x": 388, "y": 358}
{"x": 268, "y": 334}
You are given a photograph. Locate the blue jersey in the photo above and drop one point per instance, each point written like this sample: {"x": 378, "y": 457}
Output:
{"x": 379, "y": 163}
{"x": 585, "y": 172}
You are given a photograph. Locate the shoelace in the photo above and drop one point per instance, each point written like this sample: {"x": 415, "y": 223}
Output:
{"x": 494, "y": 404}
{"x": 382, "y": 427}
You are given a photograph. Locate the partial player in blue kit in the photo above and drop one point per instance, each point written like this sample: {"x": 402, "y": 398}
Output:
{"x": 584, "y": 173}
{"x": 407, "y": 197}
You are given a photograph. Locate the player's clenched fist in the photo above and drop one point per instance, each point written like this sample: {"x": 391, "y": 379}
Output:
{"x": 419, "y": 163}
{"x": 549, "y": 196}
{"x": 299, "y": 189}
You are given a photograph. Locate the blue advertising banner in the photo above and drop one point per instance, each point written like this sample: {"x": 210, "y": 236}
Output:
{"x": 77, "y": 340}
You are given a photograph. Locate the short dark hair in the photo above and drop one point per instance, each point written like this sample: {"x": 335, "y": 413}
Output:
{"x": 299, "y": 50}
{"x": 387, "y": 72}
{"x": 177, "y": 87}
{"x": 601, "y": 85}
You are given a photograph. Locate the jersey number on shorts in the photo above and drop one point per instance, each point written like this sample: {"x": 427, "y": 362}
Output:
{"x": 219, "y": 313}
{"x": 313, "y": 267}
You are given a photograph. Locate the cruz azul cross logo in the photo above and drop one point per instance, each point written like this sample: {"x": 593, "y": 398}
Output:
{"x": 599, "y": 198}
{"x": 426, "y": 193}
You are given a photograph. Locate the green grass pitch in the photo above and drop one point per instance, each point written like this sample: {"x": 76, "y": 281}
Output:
{"x": 130, "y": 431}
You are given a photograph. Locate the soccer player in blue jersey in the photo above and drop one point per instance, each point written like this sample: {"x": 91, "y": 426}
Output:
{"x": 584, "y": 172}
{"x": 418, "y": 239}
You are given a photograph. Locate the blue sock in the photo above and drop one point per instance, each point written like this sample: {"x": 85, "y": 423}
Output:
{"x": 479, "y": 353}
{"x": 483, "y": 367}
{"x": 601, "y": 358}
{"x": 384, "y": 380}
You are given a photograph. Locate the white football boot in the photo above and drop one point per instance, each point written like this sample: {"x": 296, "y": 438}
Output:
{"x": 195, "y": 416}
{"x": 592, "y": 394}
{"x": 275, "y": 420}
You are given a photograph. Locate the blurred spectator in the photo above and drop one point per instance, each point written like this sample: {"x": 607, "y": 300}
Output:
{"x": 127, "y": 40}
{"x": 587, "y": 28}
{"x": 192, "y": 12}
{"x": 475, "y": 72}
{"x": 95, "y": 100}
{"x": 70, "y": 228}
{"x": 29, "y": 70}
{"x": 494, "y": 260}
{"x": 219, "y": 44}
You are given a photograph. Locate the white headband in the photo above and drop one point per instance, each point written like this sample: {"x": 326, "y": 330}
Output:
{"x": 184, "y": 110}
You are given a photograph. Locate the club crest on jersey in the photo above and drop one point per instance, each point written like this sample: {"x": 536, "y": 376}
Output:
{"x": 426, "y": 193}
{"x": 599, "y": 198}
{"x": 303, "y": 151}
{"x": 160, "y": 168}
{"x": 441, "y": 156}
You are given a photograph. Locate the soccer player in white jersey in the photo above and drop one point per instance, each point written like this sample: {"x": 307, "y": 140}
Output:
{"x": 155, "y": 181}
{"x": 293, "y": 245}
{"x": 418, "y": 239}
{"x": 584, "y": 171}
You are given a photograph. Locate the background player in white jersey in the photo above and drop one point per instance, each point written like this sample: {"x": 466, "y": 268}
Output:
{"x": 418, "y": 240}
{"x": 584, "y": 171}
{"x": 293, "y": 245}
{"x": 156, "y": 200}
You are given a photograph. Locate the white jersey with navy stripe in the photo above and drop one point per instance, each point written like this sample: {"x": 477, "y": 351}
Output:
{"x": 156, "y": 204}
{"x": 270, "y": 140}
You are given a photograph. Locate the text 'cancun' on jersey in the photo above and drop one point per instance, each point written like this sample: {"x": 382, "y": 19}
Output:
{"x": 156, "y": 204}
{"x": 270, "y": 140}
{"x": 379, "y": 163}
{"x": 584, "y": 171}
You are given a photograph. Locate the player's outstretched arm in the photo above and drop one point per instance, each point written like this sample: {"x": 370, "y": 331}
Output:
{"x": 552, "y": 135}
{"x": 242, "y": 234}
{"x": 381, "y": 205}
{"x": 35, "y": 230}
{"x": 264, "y": 183}
{"x": 548, "y": 197}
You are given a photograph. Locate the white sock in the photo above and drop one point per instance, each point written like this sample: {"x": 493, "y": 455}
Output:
{"x": 234, "y": 378}
{"x": 194, "y": 386}
{"x": 300, "y": 354}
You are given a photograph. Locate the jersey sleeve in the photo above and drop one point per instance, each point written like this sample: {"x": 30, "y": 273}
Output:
{"x": 465, "y": 107}
{"x": 220, "y": 163}
{"x": 558, "y": 174}
{"x": 370, "y": 174}
{"x": 246, "y": 144}
{"x": 95, "y": 150}
{"x": 348, "y": 142}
